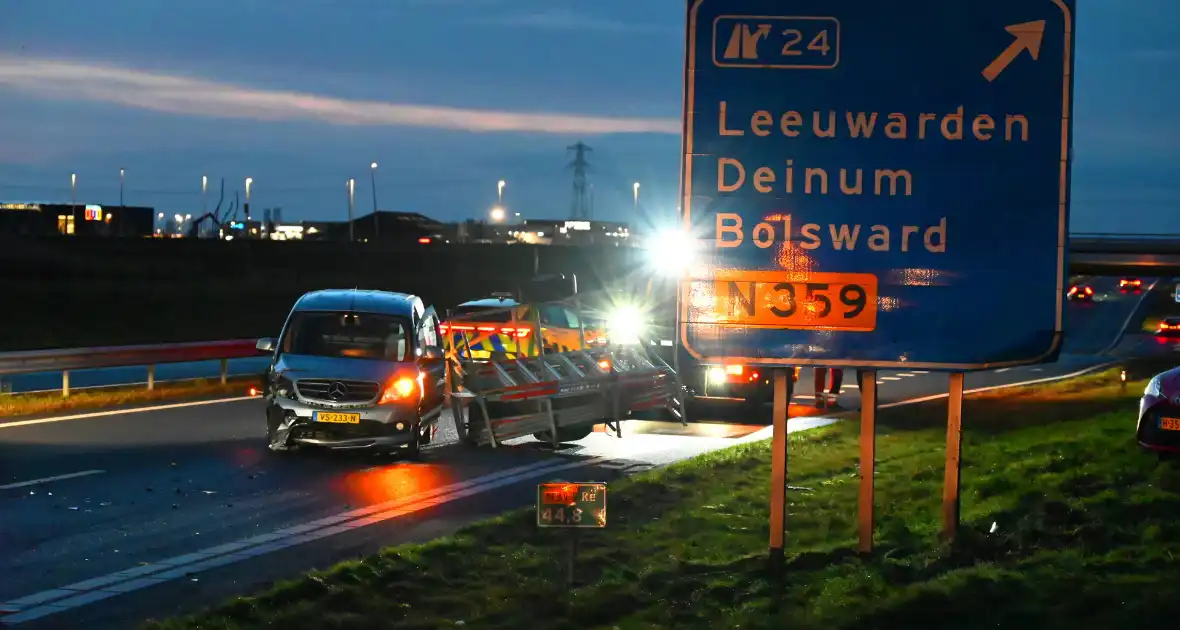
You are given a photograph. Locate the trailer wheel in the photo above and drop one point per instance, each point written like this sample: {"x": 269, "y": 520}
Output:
{"x": 566, "y": 434}
{"x": 476, "y": 420}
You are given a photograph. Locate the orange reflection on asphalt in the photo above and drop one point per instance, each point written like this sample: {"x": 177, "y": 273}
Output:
{"x": 386, "y": 483}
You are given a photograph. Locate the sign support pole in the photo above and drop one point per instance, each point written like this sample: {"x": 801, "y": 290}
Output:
{"x": 868, "y": 457}
{"x": 571, "y": 557}
{"x": 778, "y": 466}
{"x": 954, "y": 464}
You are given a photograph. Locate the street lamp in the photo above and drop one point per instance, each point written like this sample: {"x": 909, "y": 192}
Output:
{"x": 121, "y": 173}
{"x": 636, "y": 189}
{"x": 373, "y": 179}
{"x": 249, "y": 183}
{"x": 351, "y": 185}
{"x": 500, "y": 192}
{"x": 205, "y": 194}
{"x": 73, "y": 191}
{"x": 497, "y": 214}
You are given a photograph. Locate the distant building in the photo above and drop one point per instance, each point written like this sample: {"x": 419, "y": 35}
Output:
{"x": 45, "y": 219}
{"x": 385, "y": 226}
{"x": 568, "y": 232}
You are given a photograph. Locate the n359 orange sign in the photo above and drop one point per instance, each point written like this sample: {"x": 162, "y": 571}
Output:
{"x": 781, "y": 299}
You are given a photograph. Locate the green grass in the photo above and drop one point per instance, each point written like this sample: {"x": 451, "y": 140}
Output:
{"x": 1087, "y": 535}
{"x": 106, "y": 397}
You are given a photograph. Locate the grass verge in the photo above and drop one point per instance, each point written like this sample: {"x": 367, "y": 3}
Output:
{"x": 1065, "y": 524}
{"x": 89, "y": 399}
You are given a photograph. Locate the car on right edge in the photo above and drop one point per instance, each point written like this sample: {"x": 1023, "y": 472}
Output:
{"x": 1159, "y": 414}
{"x": 1169, "y": 327}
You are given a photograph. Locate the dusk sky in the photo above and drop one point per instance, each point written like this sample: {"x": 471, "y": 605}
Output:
{"x": 450, "y": 96}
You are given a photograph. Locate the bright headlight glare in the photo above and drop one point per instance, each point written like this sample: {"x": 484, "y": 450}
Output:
{"x": 673, "y": 252}
{"x": 625, "y": 325}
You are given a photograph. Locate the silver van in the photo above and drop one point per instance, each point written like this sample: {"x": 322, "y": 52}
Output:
{"x": 356, "y": 370}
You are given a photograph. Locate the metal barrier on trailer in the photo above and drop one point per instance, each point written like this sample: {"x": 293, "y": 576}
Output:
{"x": 524, "y": 389}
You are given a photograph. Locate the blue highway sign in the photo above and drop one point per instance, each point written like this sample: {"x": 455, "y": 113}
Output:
{"x": 877, "y": 184}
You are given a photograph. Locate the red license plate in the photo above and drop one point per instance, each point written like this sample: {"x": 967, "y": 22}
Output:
{"x": 1170, "y": 424}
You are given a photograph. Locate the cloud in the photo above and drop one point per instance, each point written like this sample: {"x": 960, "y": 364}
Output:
{"x": 78, "y": 81}
{"x": 565, "y": 19}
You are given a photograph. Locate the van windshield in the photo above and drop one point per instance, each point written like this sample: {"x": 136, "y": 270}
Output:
{"x": 348, "y": 335}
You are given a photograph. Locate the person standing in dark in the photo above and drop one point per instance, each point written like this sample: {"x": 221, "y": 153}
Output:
{"x": 821, "y": 377}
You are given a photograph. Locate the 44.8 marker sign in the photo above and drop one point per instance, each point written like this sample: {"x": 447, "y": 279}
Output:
{"x": 569, "y": 504}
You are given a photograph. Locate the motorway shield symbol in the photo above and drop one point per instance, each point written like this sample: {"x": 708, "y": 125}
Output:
{"x": 877, "y": 184}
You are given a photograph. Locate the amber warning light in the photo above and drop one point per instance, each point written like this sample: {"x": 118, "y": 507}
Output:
{"x": 571, "y": 504}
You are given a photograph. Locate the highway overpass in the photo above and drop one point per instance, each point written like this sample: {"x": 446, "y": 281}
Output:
{"x": 1125, "y": 254}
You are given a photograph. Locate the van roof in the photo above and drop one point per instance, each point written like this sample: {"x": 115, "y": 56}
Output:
{"x": 358, "y": 300}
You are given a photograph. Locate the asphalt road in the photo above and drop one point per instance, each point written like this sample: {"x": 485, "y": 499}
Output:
{"x": 111, "y": 519}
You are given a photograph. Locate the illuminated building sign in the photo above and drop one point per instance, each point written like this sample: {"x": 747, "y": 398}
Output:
{"x": 35, "y": 207}
{"x": 577, "y": 225}
{"x": 93, "y": 213}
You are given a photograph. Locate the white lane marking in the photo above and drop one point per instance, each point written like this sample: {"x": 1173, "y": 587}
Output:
{"x": 890, "y": 378}
{"x": 35, "y": 482}
{"x": 920, "y": 371}
{"x": 1123, "y": 330}
{"x": 116, "y": 412}
{"x": 992, "y": 388}
{"x": 78, "y": 594}
{"x": 1001, "y": 370}
{"x": 907, "y": 374}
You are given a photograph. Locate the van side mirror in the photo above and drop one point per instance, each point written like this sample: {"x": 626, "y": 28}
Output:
{"x": 266, "y": 344}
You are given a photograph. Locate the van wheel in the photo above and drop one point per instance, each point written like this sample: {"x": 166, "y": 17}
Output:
{"x": 274, "y": 418}
{"x": 414, "y": 448}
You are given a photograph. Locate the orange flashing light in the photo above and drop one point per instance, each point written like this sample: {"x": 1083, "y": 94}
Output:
{"x": 253, "y": 391}
{"x": 401, "y": 389}
{"x": 425, "y": 240}
{"x": 511, "y": 331}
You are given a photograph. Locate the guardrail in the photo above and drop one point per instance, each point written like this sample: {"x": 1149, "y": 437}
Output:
{"x": 1123, "y": 236}
{"x": 67, "y": 359}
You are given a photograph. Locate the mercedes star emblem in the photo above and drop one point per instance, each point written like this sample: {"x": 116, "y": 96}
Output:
{"x": 337, "y": 391}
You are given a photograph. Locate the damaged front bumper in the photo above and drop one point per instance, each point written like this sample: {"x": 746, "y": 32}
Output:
{"x": 381, "y": 427}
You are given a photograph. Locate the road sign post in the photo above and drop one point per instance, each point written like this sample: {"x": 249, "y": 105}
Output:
{"x": 868, "y": 457}
{"x": 782, "y": 383}
{"x": 954, "y": 458}
{"x": 571, "y": 506}
{"x": 877, "y": 185}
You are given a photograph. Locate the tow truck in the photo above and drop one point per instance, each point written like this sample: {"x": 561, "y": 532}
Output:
{"x": 642, "y": 309}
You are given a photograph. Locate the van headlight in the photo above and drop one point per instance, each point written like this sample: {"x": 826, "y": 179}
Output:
{"x": 625, "y": 325}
